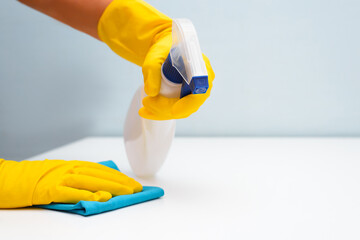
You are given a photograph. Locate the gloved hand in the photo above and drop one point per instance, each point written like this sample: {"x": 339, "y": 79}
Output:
{"x": 30, "y": 183}
{"x": 163, "y": 108}
{"x": 141, "y": 34}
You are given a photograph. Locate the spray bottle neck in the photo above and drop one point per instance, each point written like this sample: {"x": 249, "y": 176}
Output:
{"x": 170, "y": 71}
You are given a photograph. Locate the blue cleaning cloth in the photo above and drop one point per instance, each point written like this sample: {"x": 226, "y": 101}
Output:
{"x": 87, "y": 208}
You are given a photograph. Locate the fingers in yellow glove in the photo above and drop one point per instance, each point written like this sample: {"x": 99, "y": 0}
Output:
{"x": 94, "y": 184}
{"x": 163, "y": 108}
{"x": 154, "y": 59}
{"x": 104, "y": 172}
{"x": 73, "y": 195}
{"x": 112, "y": 176}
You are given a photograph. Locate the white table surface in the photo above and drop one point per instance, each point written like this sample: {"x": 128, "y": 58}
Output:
{"x": 219, "y": 188}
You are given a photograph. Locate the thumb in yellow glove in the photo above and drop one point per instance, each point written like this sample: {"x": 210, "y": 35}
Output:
{"x": 141, "y": 34}
{"x": 30, "y": 183}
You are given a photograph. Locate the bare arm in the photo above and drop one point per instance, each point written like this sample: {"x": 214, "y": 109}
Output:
{"x": 82, "y": 15}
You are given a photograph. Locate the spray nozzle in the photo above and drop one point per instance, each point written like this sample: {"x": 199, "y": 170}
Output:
{"x": 185, "y": 63}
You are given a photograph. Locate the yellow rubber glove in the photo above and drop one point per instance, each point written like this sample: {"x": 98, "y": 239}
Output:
{"x": 141, "y": 34}
{"x": 30, "y": 183}
{"x": 163, "y": 108}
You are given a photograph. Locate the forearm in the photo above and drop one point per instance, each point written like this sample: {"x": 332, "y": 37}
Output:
{"x": 82, "y": 15}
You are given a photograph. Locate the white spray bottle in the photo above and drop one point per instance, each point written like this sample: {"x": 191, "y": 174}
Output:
{"x": 147, "y": 142}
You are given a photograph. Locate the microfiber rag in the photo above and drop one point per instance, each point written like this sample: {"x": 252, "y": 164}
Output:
{"x": 87, "y": 208}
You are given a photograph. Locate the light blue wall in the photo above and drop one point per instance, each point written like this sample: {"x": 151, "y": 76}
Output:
{"x": 283, "y": 68}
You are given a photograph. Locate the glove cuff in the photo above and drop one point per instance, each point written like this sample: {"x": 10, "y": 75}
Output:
{"x": 129, "y": 28}
{"x": 17, "y": 183}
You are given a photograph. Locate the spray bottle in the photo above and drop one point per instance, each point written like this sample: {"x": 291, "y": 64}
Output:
{"x": 147, "y": 142}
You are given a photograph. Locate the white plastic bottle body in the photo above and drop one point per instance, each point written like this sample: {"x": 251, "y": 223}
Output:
{"x": 147, "y": 142}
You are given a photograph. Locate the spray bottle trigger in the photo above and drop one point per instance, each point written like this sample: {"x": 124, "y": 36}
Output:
{"x": 198, "y": 84}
